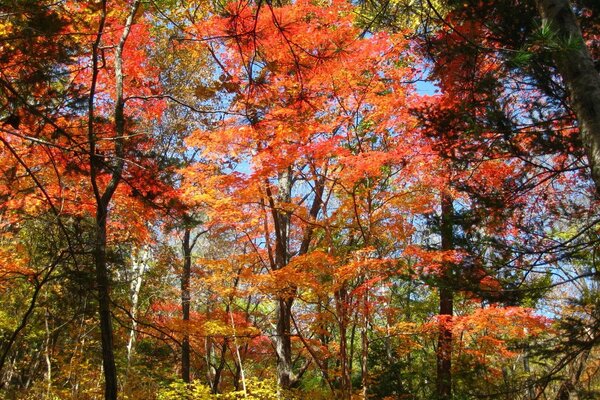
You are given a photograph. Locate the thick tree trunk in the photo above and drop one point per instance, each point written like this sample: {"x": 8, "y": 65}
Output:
{"x": 185, "y": 305}
{"x": 283, "y": 341}
{"x": 444, "y": 350}
{"x": 581, "y": 79}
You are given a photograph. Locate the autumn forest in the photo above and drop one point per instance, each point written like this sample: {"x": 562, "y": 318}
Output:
{"x": 299, "y": 199}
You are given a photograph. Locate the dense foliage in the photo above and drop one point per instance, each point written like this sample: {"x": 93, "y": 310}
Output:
{"x": 299, "y": 200}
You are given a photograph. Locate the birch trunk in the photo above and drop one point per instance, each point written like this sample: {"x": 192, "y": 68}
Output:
{"x": 139, "y": 268}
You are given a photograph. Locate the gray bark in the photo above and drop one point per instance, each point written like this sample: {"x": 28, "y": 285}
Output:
{"x": 283, "y": 342}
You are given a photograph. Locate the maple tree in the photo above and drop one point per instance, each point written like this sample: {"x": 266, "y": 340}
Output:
{"x": 298, "y": 199}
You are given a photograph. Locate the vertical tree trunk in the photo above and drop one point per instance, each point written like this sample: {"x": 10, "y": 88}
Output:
{"x": 185, "y": 305}
{"x": 444, "y": 350}
{"x": 215, "y": 377}
{"x": 47, "y": 354}
{"x": 341, "y": 298}
{"x": 364, "y": 336}
{"x": 324, "y": 339}
{"x": 237, "y": 351}
{"x": 283, "y": 342}
{"x": 102, "y": 287}
{"x": 581, "y": 78}
{"x": 139, "y": 267}
{"x": 103, "y": 197}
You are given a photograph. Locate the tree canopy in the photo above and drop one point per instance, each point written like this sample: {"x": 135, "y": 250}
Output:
{"x": 383, "y": 199}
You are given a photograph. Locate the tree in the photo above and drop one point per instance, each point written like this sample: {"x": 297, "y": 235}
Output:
{"x": 266, "y": 200}
{"x": 579, "y": 74}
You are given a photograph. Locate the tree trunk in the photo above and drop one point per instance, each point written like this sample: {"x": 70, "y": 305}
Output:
{"x": 140, "y": 261}
{"x": 283, "y": 342}
{"x": 581, "y": 79}
{"x": 185, "y": 305}
{"x": 102, "y": 287}
{"x": 47, "y": 354}
{"x": 215, "y": 379}
{"x": 341, "y": 300}
{"x": 444, "y": 350}
{"x": 104, "y": 197}
{"x": 364, "y": 335}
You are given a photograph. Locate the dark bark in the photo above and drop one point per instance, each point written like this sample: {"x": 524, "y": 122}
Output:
{"x": 103, "y": 197}
{"x": 579, "y": 75}
{"x": 103, "y": 292}
{"x": 281, "y": 222}
{"x": 364, "y": 334}
{"x": 341, "y": 302}
{"x": 185, "y": 305}
{"x": 216, "y": 380}
{"x": 283, "y": 342}
{"x": 444, "y": 350}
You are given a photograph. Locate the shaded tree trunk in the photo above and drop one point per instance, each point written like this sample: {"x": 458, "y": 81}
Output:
{"x": 103, "y": 293}
{"x": 444, "y": 350}
{"x": 47, "y": 353}
{"x": 283, "y": 342}
{"x": 215, "y": 377}
{"x": 103, "y": 197}
{"x": 341, "y": 299}
{"x": 185, "y": 305}
{"x": 579, "y": 75}
{"x": 364, "y": 335}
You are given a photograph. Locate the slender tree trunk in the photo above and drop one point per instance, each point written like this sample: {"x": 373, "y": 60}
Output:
{"x": 283, "y": 342}
{"x": 324, "y": 338}
{"x": 218, "y": 370}
{"x": 138, "y": 269}
{"x": 364, "y": 335}
{"x": 47, "y": 354}
{"x": 444, "y": 350}
{"x": 103, "y": 197}
{"x": 581, "y": 79}
{"x": 185, "y": 305}
{"x": 237, "y": 351}
{"x": 103, "y": 292}
{"x": 341, "y": 298}
{"x": 208, "y": 358}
